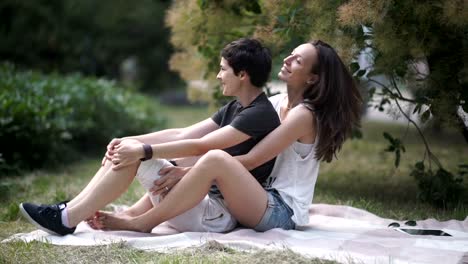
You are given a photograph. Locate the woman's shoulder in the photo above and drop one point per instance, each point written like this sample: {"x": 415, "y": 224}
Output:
{"x": 303, "y": 110}
{"x": 303, "y": 119}
{"x": 301, "y": 116}
{"x": 277, "y": 98}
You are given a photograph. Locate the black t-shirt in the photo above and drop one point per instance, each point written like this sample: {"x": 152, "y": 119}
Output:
{"x": 256, "y": 120}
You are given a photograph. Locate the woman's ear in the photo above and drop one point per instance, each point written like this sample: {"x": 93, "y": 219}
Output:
{"x": 313, "y": 79}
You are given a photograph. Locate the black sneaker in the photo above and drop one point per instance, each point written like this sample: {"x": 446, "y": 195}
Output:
{"x": 46, "y": 217}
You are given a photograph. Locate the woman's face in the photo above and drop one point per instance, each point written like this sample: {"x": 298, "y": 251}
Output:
{"x": 296, "y": 70}
{"x": 229, "y": 81}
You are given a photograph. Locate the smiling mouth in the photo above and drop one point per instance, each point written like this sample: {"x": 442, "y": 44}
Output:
{"x": 285, "y": 69}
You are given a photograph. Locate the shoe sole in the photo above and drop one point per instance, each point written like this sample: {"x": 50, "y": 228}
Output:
{"x": 32, "y": 221}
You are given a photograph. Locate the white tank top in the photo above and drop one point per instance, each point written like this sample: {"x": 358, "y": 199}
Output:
{"x": 295, "y": 173}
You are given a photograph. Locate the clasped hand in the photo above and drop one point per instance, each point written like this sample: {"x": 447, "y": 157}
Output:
{"x": 123, "y": 152}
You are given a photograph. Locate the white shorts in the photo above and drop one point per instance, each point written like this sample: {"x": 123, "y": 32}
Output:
{"x": 210, "y": 215}
{"x": 148, "y": 172}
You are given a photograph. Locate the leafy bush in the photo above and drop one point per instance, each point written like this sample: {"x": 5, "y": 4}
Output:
{"x": 46, "y": 118}
{"x": 440, "y": 188}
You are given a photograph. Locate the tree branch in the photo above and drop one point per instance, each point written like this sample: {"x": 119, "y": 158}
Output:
{"x": 428, "y": 150}
{"x": 399, "y": 96}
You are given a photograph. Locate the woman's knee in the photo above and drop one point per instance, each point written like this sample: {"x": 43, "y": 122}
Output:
{"x": 130, "y": 170}
{"x": 216, "y": 158}
{"x": 215, "y": 161}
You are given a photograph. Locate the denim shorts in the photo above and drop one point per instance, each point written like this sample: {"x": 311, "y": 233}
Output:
{"x": 277, "y": 215}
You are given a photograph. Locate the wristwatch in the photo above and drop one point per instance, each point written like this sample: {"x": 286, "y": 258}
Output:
{"x": 148, "y": 152}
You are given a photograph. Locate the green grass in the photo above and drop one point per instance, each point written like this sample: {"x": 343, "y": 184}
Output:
{"x": 363, "y": 177}
{"x": 37, "y": 252}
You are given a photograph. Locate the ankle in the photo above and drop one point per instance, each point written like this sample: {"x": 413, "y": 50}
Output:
{"x": 64, "y": 218}
{"x": 130, "y": 213}
{"x": 136, "y": 225}
{"x": 71, "y": 219}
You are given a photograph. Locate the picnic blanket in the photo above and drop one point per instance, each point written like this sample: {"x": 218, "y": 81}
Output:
{"x": 340, "y": 233}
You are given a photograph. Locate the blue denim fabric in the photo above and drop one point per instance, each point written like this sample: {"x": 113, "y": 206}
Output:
{"x": 277, "y": 215}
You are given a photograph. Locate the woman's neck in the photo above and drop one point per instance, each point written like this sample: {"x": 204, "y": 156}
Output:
{"x": 294, "y": 97}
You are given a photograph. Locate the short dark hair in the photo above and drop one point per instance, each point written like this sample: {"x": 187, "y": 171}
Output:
{"x": 249, "y": 55}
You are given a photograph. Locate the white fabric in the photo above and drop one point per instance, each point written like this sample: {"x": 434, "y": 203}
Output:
{"x": 148, "y": 172}
{"x": 210, "y": 215}
{"x": 334, "y": 232}
{"x": 295, "y": 173}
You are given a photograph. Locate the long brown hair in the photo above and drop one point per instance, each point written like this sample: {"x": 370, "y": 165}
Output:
{"x": 335, "y": 100}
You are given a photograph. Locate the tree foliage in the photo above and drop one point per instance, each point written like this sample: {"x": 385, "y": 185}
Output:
{"x": 91, "y": 37}
{"x": 416, "y": 45}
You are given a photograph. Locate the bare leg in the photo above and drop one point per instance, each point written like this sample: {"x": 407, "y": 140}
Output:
{"x": 140, "y": 207}
{"x": 245, "y": 197}
{"x": 102, "y": 170}
{"x": 106, "y": 189}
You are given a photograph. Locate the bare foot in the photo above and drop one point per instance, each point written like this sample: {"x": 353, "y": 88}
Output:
{"x": 95, "y": 223}
{"x": 117, "y": 222}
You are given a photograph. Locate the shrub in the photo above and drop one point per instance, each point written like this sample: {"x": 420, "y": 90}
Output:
{"x": 440, "y": 188}
{"x": 44, "y": 118}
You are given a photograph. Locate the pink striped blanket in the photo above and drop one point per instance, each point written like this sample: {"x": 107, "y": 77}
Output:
{"x": 335, "y": 232}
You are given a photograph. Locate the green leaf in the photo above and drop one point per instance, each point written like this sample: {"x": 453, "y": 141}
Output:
{"x": 388, "y": 137}
{"x": 253, "y": 7}
{"x": 425, "y": 116}
{"x": 279, "y": 30}
{"x": 371, "y": 92}
{"x": 354, "y": 67}
{"x": 360, "y": 73}
{"x": 397, "y": 158}
{"x": 202, "y": 4}
{"x": 356, "y": 133}
{"x": 281, "y": 20}
{"x": 390, "y": 149}
{"x": 417, "y": 108}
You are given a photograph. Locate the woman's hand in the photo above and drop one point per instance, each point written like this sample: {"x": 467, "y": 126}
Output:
{"x": 110, "y": 150}
{"x": 127, "y": 152}
{"x": 170, "y": 176}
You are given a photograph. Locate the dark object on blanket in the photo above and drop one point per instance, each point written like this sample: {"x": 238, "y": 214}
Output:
{"x": 423, "y": 232}
{"x": 407, "y": 223}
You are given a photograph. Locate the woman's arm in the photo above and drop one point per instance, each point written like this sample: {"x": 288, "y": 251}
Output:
{"x": 197, "y": 130}
{"x": 298, "y": 124}
{"x": 222, "y": 138}
{"x": 128, "y": 152}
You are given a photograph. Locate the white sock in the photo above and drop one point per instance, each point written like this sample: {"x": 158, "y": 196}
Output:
{"x": 64, "y": 215}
